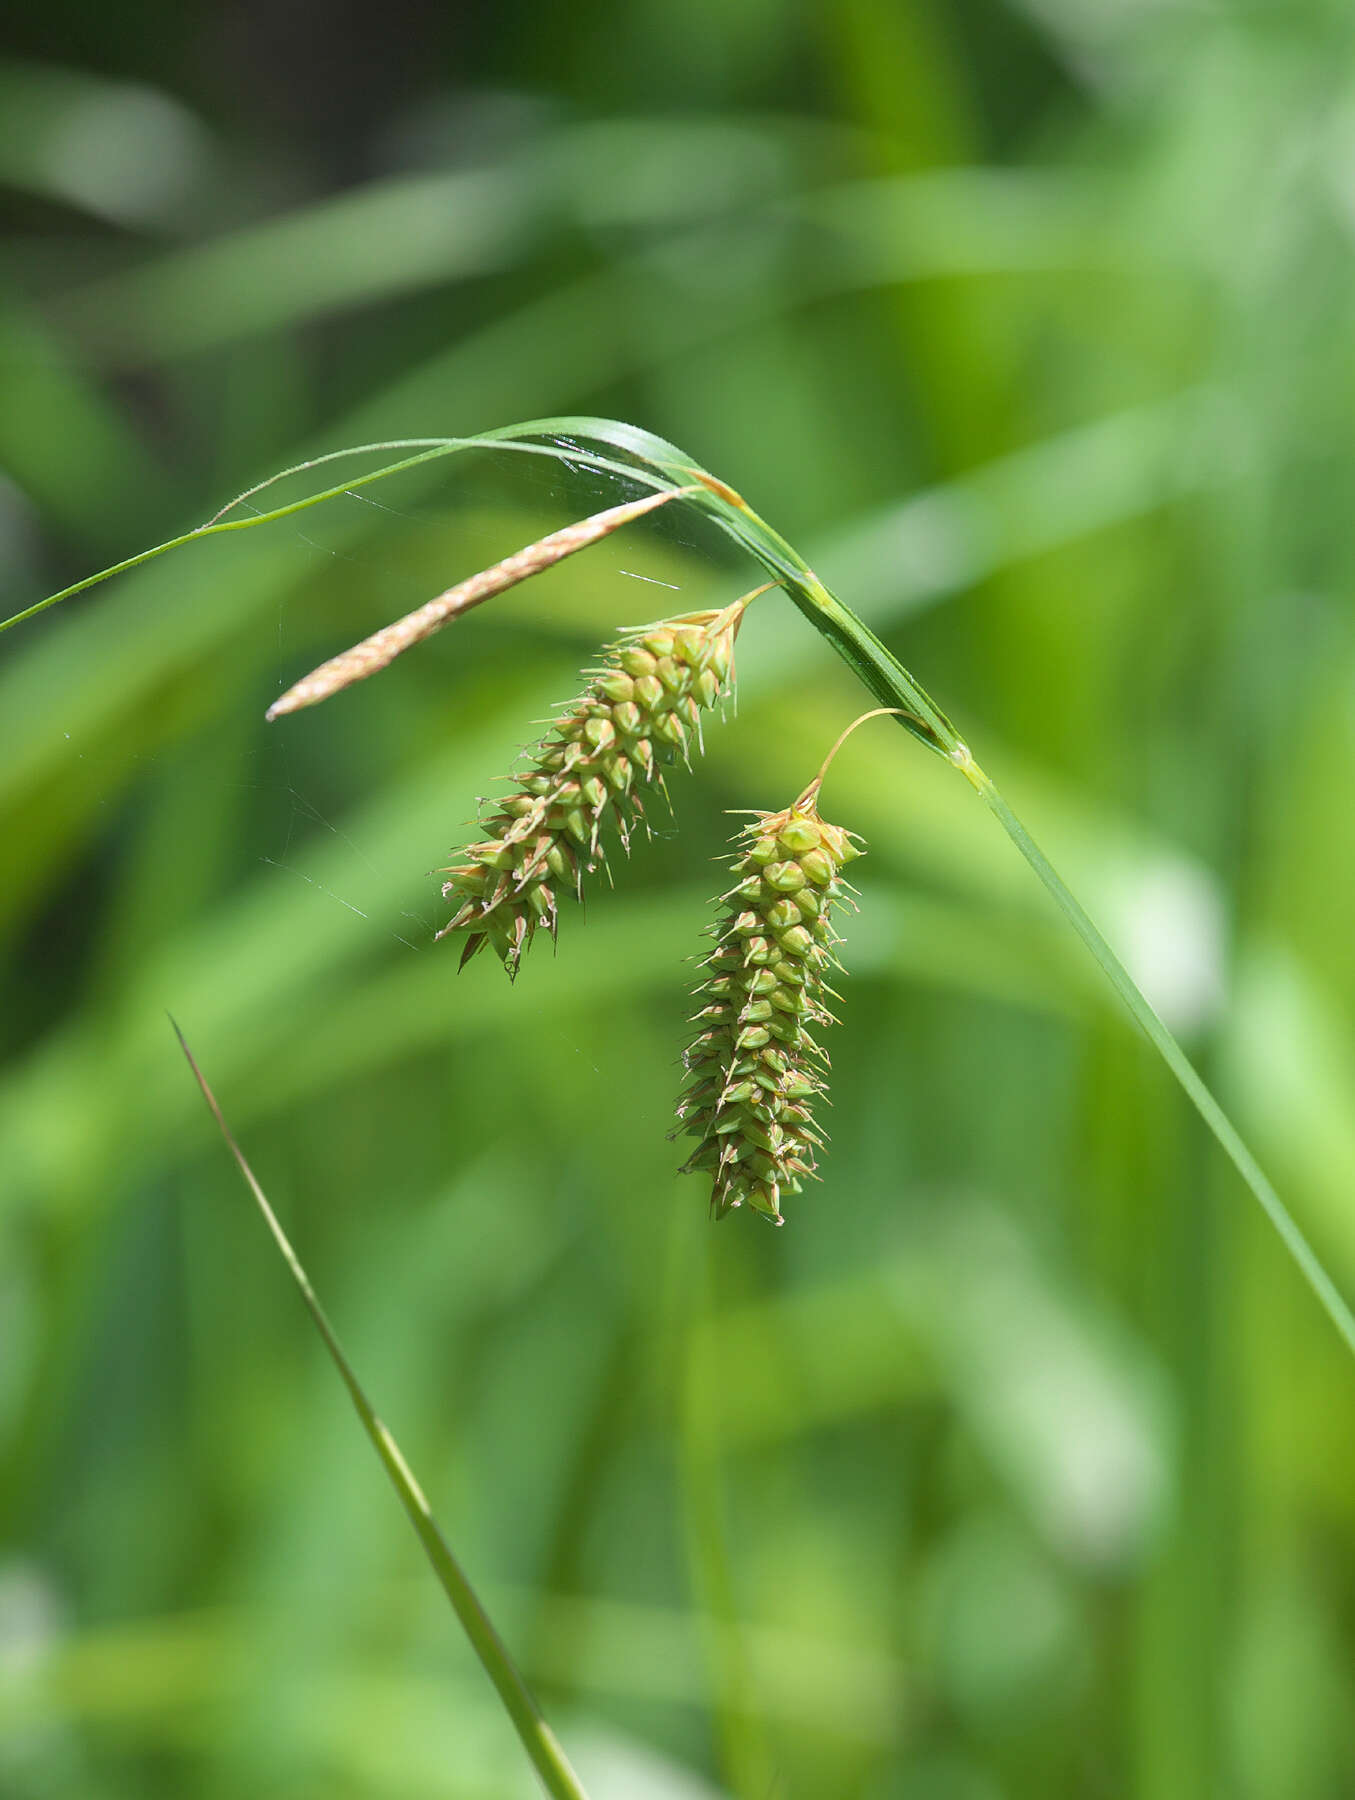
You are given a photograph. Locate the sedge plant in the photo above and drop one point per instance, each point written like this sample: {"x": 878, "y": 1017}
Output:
{"x": 754, "y": 1069}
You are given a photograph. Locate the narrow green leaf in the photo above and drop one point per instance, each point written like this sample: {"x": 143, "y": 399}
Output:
{"x": 539, "y": 1741}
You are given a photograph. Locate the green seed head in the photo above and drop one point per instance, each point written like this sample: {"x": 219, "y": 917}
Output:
{"x": 641, "y": 710}
{"x": 754, "y": 1068}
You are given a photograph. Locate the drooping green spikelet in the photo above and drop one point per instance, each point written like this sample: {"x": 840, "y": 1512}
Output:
{"x": 754, "y": 1067}
{"x": 641, "y": 709}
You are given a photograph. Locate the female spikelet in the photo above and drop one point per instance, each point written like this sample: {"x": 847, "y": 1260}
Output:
{"x": 641, "y": 709}
{"x": 754, "y": 1067}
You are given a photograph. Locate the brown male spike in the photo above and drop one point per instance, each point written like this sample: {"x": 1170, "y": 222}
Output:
{"x": 379, "y": 650}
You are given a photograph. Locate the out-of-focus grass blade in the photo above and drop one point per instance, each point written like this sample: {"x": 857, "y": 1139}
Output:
{"x": 1034, "y": 500}
{"x": 120, "y": 150}
{"x": 155, "y": 1674}
{"x": 540, "y": 1743}
{"x": 976, "y": 221}
{"x": 408, "y": 233}
{"x": 383, "y": 241}
{"x": 64, "y": 444}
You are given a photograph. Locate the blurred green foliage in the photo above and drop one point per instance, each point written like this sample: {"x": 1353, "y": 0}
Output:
{"x": 1020, "y": 1463}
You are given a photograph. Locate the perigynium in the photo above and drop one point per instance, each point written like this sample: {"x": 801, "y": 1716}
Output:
{"x": 641, "y": 710}
{"x": 755, "y": 1067}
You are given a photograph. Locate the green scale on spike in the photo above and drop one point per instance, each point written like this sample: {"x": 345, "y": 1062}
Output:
{"x": 754, "y": 1067}
{"x": 641, "y": 710}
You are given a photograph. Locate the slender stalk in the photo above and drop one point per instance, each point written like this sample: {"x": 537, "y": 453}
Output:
{"x": 539, "y": 1741}
{"x": 219, "y": 523}
{"x": 215, "y": 526}
{"x": 1175, "y": 1058}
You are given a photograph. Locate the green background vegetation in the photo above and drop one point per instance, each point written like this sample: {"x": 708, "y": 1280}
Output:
{"x": 1020, "y": 1463}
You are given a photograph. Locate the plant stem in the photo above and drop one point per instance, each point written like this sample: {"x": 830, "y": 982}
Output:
{"x": 1175, "y": 1058}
